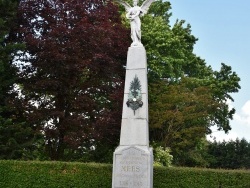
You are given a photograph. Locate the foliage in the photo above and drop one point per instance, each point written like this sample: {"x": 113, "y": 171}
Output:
{"x": 85, "y": 175}
{"x": 7, "y": 48}
{"x": 72, "y": 77}
{"x": 171, "y": 57}
{"x": 162, "y": 157}
{"x": 194, "y": 157}
{"x": 223, "y": 83}
{"x": 16, "y": 138}
{"x": 186, "y": 97}
{"x": 229, "y": 155}
{"x": 179, "y": 117}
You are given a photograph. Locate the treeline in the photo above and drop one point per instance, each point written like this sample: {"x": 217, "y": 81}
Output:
{"x": 233, "y": 154}
{"x": 229, "y": 155}
{"x": 62, "y": 78}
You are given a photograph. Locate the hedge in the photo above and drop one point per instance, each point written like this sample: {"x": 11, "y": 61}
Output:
{"x": 200, "y": 178}
{"x": 33, "y": 174}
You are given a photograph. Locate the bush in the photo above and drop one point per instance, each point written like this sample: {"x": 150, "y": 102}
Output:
{"x": 162, "y": 157}
{"x": 31, "y": 174}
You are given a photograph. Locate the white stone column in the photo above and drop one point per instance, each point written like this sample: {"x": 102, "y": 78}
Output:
{"x": 133, "y": 159}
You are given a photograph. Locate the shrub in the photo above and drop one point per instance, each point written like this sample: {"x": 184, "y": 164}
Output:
{"x": 31, "y": 174}
{"x": 162, "y": 156}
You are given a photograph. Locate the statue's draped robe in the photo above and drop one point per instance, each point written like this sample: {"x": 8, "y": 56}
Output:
{"x": 135, "y": 22}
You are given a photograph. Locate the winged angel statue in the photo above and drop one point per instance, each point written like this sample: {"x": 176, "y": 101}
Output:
{"x": 133, "y": 14}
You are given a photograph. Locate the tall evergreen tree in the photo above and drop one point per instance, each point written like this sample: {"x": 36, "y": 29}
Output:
{"x": 16, "y": 138}
{"x": 8, "y": 10}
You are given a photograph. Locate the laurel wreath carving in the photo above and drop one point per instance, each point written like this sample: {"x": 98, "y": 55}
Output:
{"x": 135, "y": 97}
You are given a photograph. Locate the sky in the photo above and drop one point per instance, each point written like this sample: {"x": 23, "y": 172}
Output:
{"x": 223, "y": 30}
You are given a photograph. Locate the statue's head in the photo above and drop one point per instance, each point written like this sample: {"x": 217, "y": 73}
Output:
{"x": 135, "y": 2}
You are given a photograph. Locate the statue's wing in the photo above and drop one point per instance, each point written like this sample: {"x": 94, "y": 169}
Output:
{"x": 125, "y": 4}
{"x": 145, "y": 6}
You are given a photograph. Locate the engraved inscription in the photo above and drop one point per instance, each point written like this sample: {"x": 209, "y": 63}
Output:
{"x": 132, "y": 169}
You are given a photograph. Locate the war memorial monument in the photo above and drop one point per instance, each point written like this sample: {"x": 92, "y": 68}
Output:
{"x": 133, "y": 158}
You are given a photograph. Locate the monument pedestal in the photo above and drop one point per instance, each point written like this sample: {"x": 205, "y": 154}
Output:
{"x": 133, "y": 159}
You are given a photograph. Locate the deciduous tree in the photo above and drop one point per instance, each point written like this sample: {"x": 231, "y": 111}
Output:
{"x": 177, "y": 77}
{"x": 179, "y": 116}
{"x": 73, "y": 74}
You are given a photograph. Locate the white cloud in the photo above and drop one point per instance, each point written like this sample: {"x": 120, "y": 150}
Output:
{"x": 230, "y": 104}
{"x": 221, "y": 135}
{"x": 244, "y": 115}
{"x": 246, "y": 108}
{"x": 240, "y": 125}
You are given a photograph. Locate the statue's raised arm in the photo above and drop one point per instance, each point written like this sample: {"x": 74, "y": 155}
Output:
{"x": 133, "y": 14}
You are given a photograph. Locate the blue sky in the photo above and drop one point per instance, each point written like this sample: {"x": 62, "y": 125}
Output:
{"x": 223, "y": 30}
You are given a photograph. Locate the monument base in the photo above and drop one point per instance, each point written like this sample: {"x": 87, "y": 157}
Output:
{"x": 133, "y": 167}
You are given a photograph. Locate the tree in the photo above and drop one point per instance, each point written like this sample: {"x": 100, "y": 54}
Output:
{"x": 233, "y": 154}
{"x": 16, "y": 138}
{"x": 7, "y": 48}
{"x": 72, "y": 77}
{"x": 179, "y": 116}
{"x": 176, "y": 77}
{"x": 223, "y": 83}
{"x": 171, "y": 57}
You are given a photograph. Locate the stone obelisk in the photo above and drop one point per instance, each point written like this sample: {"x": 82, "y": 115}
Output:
{"x": 133, "y": 158}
